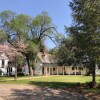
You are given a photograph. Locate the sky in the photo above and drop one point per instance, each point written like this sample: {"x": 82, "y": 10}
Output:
{"x": 58, "y": 10}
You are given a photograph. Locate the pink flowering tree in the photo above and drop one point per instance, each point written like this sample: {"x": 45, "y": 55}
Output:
{"x": 12, "y": 54}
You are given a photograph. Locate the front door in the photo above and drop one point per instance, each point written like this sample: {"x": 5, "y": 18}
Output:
{"x": 42, "y": 70}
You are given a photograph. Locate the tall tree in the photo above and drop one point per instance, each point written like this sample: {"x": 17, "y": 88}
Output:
{"x": 42, "y": 28}
{"x": 86, "y": 31}
{"x": 32, "y": 31}
{"x": 17, "y": 31}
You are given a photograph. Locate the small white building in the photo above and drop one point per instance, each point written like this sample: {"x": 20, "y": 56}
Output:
{"x": 4, "y": 65}
{"x": 7, "y": 68}
{"x": 7, "y": 64}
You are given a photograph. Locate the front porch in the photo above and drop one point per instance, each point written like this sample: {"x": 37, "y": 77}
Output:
{"x": 62, "y": 70}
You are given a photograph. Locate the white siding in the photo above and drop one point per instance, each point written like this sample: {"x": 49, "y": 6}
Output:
{"x": 38, "y": 69}
{"x": 6, "y": 63}
{"x": 13, "y": 71}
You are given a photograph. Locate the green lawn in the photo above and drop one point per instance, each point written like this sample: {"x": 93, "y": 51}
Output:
{"x": 60, "y": 78}
{"x": 52, "y": 81}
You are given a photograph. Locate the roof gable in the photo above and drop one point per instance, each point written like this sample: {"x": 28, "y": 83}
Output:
{"x": 3, "y": 56}
{"x": 46, "y": 58}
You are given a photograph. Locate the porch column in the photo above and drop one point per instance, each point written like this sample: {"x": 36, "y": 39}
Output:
{"x": 57, "y": 70}
{"x": 81, "y": 71}
{"x": 75, "y": 70}
{"x": 52, "y": 70}
{"x": 8, "y": 71}
{"x": 69, "y": 71}
{"x": 46, "y": 71}
{"x": 49, "y": 70}
{"x": 63, "y": 70}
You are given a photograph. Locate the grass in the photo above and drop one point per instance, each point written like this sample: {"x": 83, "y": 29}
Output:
{"x": 60, "y": 78}
{"x": 63, "y": 82}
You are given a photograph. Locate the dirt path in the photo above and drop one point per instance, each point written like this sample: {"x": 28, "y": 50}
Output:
{"x": 30, "y": 92}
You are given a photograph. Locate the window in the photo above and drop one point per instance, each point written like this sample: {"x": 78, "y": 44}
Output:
{"x": 7, "y": 69}
{"x": 11, "y": 69}
{"x": 47, "y": 69}
{"x": 80, "y": 68}
{"x": 53, "y": 69}
{"x": 3, "y": 63}
{"x": 73, "y": 68}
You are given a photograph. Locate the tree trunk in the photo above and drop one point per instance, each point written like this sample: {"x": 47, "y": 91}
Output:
{"x": 93, "y": 74}
{"x": 30, "y": 68}
{"x": 93, "y": 82}
{"x": 15, "y": 70}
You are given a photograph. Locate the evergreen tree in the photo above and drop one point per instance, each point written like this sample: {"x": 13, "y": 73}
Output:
{"x": 85, "y": 31}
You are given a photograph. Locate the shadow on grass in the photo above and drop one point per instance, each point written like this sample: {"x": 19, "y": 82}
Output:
{"x": 55, "y": 84}
{"x": 75, "y": 87}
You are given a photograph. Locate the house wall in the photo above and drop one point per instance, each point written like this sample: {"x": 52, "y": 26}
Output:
{"x": 38, "y": 69}
{"x": 67, "y": 70}
{"x": 4, "y": 71}
{"x": 74, "y": 70}
{"x": 45, "y": 71}
{"x": 25, "y": 70}
{"x": 13, "y": 70}
{"x": 6, "y": 63}
{"x": 60, "y": 70}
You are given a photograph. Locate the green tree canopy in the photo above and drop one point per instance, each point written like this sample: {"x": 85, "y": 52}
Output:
{"x": 29, "y": 32}
{"x": 85, "y": 30}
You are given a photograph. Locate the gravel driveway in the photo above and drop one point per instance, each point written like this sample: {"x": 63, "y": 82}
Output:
{"x": 30, "y": 92}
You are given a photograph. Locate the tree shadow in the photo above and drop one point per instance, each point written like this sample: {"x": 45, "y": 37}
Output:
{"x": 43, "y": 94}
{"x": 71, "y": 87}
{"x": 60, "y": 85}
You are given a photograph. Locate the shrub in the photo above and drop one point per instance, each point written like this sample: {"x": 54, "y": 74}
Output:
{"x": 91, "y": 84}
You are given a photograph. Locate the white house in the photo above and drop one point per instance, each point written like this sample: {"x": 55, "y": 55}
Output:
{"x": 4, "y": 67}
{"x": 47, "y": 65}
{"x": 7, "y": 65}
